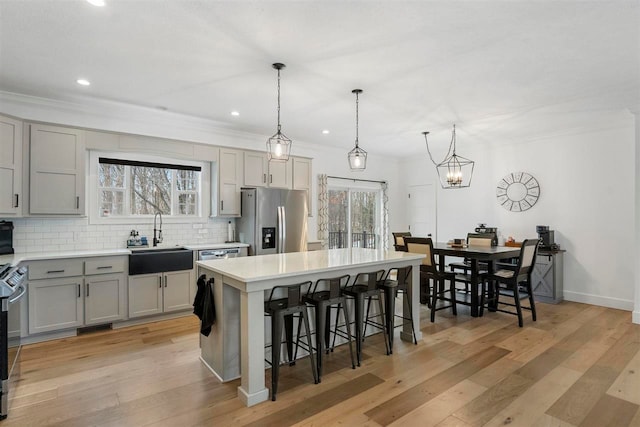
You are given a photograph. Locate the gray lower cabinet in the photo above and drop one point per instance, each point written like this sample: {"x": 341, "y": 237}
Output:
{"x": 55, "y": 304}
{"x": 104, "y": 299}
{"x": 547, "y": 277}
{"x": 62, "y": 297}
{"x": 159, "y": 293}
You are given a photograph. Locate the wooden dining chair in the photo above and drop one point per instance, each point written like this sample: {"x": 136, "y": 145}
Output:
{"x": 398, "y": 240}
{"x": 513, "y": 283}
{"x": 428, "y": 272}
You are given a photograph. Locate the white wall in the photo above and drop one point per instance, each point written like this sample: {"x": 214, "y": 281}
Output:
{"x": 587, "y": 197}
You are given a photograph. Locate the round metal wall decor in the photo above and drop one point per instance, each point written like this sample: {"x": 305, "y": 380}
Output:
{"x": 518, "y": 191}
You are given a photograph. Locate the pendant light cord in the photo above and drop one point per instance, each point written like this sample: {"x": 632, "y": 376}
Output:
{"x": 357, "y": 102}
{"x": 452, "y": 144}
{"x": 278, "y": 100}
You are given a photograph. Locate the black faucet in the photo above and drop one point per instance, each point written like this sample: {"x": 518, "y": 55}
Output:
{"x": 158, "y": 239}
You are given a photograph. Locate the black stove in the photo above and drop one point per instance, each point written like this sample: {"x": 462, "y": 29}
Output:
{"x": 12, "y": 288}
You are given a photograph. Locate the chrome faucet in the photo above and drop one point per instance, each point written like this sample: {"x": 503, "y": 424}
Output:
{"x": 158, "y": 239}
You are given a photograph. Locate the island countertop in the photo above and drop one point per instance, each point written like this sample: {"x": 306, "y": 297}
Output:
{"x": 258, "y": 268}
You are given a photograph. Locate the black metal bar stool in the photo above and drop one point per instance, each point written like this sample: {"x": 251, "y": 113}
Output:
{"x": 322, "y": 296}
{"x": 391, "y": 288}
{"x": 282, "y": 309}
{"x": 366, "y": 285}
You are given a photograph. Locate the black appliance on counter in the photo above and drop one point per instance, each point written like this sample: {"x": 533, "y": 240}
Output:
{"x": 12, "y": 289}
{"x": 6, "y": 237}
{"x": 482, "y": 231}
{"x": 547, "y": 242}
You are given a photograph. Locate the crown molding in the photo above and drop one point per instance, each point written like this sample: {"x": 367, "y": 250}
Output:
{"x": 112, "y": 116}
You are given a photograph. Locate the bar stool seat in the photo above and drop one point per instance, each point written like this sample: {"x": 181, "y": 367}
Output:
{"x": 322, "y": 296}
{"x": 364, "y": 286}
{"x": 282, "y": 310}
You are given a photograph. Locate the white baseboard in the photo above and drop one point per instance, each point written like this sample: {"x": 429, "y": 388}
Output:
{"x": 619, "y": 303}
{"x": 635, "y": 317}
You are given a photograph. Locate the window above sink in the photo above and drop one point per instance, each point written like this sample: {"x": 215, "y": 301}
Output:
{"x": 129, "y": 188}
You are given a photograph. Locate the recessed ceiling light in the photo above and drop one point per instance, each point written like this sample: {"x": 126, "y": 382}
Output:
{"x": 325, "y": 132}
{"x": 235, "y": 113}
{"x": 83, "y": 82}
{"x": 98, "y": 3}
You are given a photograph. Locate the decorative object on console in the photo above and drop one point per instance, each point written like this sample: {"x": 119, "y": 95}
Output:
{"x": 357, "y": 156}
{"x": 518, "y": 191}
{"x": 278, "y": 146}
{"x": 454, "y": 171}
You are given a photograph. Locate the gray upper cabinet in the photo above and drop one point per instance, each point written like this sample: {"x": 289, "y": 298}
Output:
{"x": 230, "y": 172}
{"x": 56, "y": 170}
{"x": 259, "y": 172}
{"x": 10, "y": 166}
{"x": 302, "y": 178}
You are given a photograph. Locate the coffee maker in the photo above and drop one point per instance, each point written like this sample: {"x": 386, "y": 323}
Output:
{"x": 546, "y": 238}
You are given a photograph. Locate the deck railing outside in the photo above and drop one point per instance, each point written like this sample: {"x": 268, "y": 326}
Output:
{"x": 339, "y": 239}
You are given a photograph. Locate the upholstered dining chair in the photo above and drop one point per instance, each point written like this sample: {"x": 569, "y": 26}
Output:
{"x": 398, "y": 240}
{"x": 428, "y": 272}
{"x": 515, "y": 284}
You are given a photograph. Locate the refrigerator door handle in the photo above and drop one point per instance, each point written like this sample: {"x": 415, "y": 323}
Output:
{"x": 283, "y": 233}
{"x": 279, "y": 241}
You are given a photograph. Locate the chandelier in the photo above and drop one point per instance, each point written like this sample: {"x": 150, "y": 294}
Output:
{"x": 454, "y": 171}
{"x": 278, "y": 146}
{"x": 357, "y": 157}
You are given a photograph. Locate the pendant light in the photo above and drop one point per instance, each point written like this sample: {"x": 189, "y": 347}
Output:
{"x": 454, "y": 171}
{"x": 357, "y": 156}
{"x": 278, "y": 146}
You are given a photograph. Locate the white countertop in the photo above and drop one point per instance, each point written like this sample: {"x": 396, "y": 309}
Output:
{"x": 261, "y": 267}
{"x": 15, "y": 259}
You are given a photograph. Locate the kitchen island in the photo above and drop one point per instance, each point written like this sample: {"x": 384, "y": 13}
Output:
{"x": 235, "y": 346}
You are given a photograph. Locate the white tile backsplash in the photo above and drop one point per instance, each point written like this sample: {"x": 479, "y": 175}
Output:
{"x": 50, "y": 235}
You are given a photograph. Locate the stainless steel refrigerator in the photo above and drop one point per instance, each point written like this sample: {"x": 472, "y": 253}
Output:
{"x": 273, "y": 220}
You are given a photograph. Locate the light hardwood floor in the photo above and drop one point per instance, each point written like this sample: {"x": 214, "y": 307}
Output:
{"x": 578, "y": 365}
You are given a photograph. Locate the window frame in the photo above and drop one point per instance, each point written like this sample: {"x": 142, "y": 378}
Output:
{"x": 339, "y": 185}
{"x": 204, "y": 192}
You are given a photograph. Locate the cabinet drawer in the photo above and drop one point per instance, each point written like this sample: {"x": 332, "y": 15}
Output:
{"x": 105, "y": 265}
{"x": 55, "y": 268}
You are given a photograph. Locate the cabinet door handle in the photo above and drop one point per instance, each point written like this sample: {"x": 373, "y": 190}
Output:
{"x": 79, "y": 290}
{"x": 55, "y": 271}
{"x": 221, "y": 205}
{"x": 88, "y": 290}
{"x": 264, "y": 178}
{"x": 270, "y": 179}
{"x": 77, "y": 202}
{"x": 165, "y": 281}
{"x": 102, "y": 267}
{"x": 160, "y": 281}
{"x": 17, "y": 200}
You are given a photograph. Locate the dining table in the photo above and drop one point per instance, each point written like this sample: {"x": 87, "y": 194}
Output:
{"x": 475, "y": 254}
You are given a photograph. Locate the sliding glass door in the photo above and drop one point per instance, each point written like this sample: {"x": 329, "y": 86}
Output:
{"x": 355, "y": 217}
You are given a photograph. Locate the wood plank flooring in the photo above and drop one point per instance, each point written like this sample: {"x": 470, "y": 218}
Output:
{"x": 578, "y": 365}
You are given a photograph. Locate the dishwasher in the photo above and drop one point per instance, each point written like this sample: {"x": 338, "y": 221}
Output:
{"x": 225, "y": 253}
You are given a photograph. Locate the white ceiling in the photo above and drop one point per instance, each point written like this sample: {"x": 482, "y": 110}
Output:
{"x": 500, "y": 70}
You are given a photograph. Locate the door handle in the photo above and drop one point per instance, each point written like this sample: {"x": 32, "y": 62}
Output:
{"x": 165, "y": 281}
{"x": 264, "y": 178}
{"x": 160, "y": 281}
{"x": 88, "y": 290}
{"x": 79, "y": 290}
{"x": 17, "y": 199}
{"x": 221, "y": 205}
{"x": 102, "y": 267}
{"x": 77, "y": 202}
{"x": 55, "y": 271}
{"x": 270, "y": 179}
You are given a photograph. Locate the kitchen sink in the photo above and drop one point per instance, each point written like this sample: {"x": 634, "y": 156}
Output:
{"x": 159, "y": 260}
